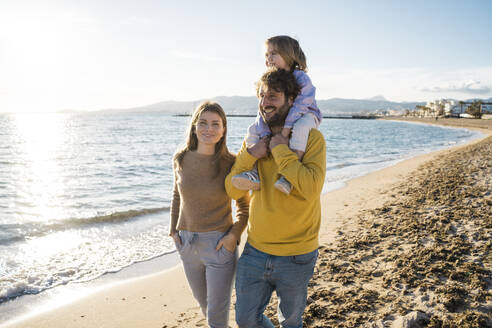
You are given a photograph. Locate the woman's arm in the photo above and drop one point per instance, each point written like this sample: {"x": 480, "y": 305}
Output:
{"x": 242, "y": 215}
{"x": 174, "y": 212}
{"x": 233, "y": 237}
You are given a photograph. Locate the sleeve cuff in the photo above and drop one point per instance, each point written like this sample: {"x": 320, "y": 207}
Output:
{"x": 281, "y": 150}
{"x": 247, "y": 159}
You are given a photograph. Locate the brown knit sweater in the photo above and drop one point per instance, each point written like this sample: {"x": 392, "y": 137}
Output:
{"x": 200, "y": 202}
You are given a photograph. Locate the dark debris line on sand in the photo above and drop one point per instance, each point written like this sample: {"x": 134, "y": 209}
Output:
{"x": 423, "y": 260}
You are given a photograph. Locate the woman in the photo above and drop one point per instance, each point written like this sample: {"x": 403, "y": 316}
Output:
{"x": 201, "y": 221}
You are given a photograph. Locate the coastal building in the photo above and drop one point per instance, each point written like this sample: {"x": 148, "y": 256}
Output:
{"x": 440, "y": 107}
{"x": 487, "y": 108}
{"x": 448, "y": 108}
{"x": 451, "y": 108}
{"x": 388, "y": 112}
{"x": 487, "y": 111}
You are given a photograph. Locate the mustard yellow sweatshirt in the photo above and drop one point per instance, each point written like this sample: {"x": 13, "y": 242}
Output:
{"x": 279, "y": 224}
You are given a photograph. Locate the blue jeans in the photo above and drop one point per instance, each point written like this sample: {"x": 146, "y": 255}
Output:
{"x": 259, "y": 274}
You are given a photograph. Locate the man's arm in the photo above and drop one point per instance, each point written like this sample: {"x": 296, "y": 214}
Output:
{"x": 307, "y": 176}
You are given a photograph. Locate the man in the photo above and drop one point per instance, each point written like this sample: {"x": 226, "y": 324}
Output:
{"x": 282, "y": 245}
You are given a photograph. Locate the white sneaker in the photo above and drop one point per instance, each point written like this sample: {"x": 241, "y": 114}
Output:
{"x": 248, "y": 180}
{"x": 283, "y": 185}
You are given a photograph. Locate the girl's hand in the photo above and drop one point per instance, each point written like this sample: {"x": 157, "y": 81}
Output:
{"x": 229, "y": 242}
{"x": 259, "y": 149}
{"x": 176, "y": 237}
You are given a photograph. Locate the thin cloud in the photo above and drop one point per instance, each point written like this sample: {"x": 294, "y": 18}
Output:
{"x": 468, "y": 87}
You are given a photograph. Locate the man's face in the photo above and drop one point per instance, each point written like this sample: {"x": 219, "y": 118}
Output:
{"x": 274, "y": 106}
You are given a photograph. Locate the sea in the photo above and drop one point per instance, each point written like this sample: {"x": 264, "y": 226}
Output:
{"x": 86, "y": 195}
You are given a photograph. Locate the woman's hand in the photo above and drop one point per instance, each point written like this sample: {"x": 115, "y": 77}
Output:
{"x": 175, "y": 235}
{"x": 229, "y": 242}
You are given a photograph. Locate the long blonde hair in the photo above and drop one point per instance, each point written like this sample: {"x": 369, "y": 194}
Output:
{"x": 290, "y": 50}
{"x": 222, "y": 153}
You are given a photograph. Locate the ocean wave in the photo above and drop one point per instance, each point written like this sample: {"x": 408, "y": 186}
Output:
{"x": 36, "y": 282}
{"x": 360, "y": 162}
{"x": 16, "y": 232}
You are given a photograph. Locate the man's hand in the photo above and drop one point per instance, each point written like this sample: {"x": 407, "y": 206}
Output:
{"x": 259, "y": 149}
{"x": 229, "y": 242}
{"x": 278, "y": 139}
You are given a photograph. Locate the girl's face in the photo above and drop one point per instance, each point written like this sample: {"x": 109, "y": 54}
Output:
{"x": 273, "y": 58}
{"x": 209, "y": 128}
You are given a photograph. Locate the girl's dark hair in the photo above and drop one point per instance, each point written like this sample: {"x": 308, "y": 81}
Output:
{"x": 279, "y": 80}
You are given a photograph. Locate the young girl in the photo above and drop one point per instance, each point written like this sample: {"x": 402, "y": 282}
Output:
{"x": 201, "y": 216}
{"x": 284, "y": 52}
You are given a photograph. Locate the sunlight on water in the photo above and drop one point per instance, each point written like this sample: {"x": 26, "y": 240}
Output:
{"x": 39, "y": 183}
{"x": 42, "y": 249}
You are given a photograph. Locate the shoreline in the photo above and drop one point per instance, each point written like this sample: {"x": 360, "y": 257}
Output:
{"x": 148, "y": 300}
{"x": 30, "y": 305}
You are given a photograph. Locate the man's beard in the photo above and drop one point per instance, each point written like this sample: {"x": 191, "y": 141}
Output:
{"x": 278, "y": 119}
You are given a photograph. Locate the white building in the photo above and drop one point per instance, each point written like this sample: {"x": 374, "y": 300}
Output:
{"x": 446, "y": 107}
{"x": 452, "y": 108}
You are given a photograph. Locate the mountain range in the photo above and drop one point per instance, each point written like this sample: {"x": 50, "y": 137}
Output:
{"x": 240, "y": 105}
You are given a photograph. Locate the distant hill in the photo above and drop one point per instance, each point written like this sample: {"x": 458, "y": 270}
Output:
{"x": 341, "y": 105}
{"x": 377, "y": 98}
{"x": 482, "y": 100}
{"x": 249, "y": 105}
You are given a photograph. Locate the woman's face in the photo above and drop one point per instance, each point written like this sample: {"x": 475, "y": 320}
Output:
{"x": 209, "y": 128}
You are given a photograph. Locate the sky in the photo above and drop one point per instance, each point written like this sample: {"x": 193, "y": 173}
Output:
{"x": 91, "y": 55}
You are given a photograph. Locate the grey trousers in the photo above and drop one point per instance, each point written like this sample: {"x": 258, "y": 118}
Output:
{"x": 210, "y": 273}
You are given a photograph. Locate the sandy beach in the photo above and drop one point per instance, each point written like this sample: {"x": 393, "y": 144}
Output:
{"x": 405, "y": 246}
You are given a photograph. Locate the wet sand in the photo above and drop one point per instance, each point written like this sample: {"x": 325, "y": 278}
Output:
{"x": 406, "y": 246}
{"x": 423, "y": 258}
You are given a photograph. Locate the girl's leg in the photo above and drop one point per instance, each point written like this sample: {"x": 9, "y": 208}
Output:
{"x": 300, "y": 132}
{"x": 251, "y": 137}
{"x": 298, "y": 142}
{"x": 248, "y": 180}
